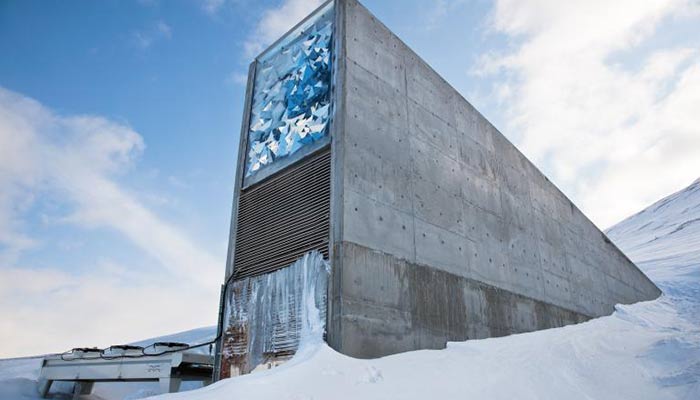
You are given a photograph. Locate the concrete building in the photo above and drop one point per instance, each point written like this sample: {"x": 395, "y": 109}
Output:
{"x": 435, "y": 227}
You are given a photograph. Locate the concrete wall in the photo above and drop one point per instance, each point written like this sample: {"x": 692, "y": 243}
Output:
{"x": 442, "y": 229}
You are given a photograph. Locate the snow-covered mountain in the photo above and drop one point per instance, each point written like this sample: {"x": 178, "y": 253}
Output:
{"x": 664, "y": 241}
{"x": 648, "y": 350}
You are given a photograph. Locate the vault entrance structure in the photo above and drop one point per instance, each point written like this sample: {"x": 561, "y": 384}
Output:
{"x": 425, "y": 223}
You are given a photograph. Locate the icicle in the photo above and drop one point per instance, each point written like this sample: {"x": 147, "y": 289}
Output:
{"x": 270, "y": 317}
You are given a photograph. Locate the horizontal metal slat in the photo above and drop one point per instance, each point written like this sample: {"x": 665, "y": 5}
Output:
{"x": 283, "y": 217}
{"x": 248, "y": 224}
{"x": 316, "y": 213}
{"x": 293, "y": 235}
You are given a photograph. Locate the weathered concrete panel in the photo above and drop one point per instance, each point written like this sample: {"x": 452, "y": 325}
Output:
{"x": 382, "y": 180}
{"x": 369, "y": 222}
{"x": 424, "y": 307}
{"x": 431, "y": 130}
{"x": 445, "y": 230}
{"x": 374, "y": 47}
{"x": 370, "y": 97}
{"x": 428, "y": 89}
{"x": 483, "y": 193}
{"x": 441, "y": 249}
{"x": 440, "y": 171}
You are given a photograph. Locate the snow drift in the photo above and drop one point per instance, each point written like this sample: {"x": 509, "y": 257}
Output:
{"x": 648, "y": 350}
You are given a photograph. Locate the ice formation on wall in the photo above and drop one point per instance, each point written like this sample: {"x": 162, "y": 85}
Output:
{"x": 291, "y": 96}
{"x": 268, "y": 317}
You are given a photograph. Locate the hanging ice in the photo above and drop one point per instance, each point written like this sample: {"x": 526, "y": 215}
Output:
{"x": 268, "y": 317}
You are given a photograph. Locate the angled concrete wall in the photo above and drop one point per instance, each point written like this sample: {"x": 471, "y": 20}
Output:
{"x": 442, "y": 229}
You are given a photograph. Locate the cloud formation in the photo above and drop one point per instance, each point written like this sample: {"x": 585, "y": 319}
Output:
{"x": 76, "y": 162}
{"x": 212, "y": 7}
{"x": 275, "y": 22}
{"x": 158, "y": 31}
{"x": 592, "y": 98}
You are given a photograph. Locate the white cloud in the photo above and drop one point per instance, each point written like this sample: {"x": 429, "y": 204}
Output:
{"x": 440, "y": 10}
{"x": 158, "y": 31}
{"x": 75, "y": 161}
{"x": 276, "y": 22}
{"x": 177, "y": 182}
{"x": 212, "y": 7}
{"x": 48, "y": 310}
{"x": 615, "y": 135}
{"x": 237, "y": 78}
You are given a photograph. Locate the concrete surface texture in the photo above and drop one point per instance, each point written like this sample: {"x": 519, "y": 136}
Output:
{"x": 442, "y": 229}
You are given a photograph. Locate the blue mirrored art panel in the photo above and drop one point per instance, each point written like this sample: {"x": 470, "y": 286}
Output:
{"x": 291, "y": 105}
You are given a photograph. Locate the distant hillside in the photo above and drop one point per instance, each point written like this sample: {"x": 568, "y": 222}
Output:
{"x": 664, "y": 241}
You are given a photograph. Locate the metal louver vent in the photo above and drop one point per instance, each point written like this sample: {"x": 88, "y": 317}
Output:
{"x": 283, "y": 217}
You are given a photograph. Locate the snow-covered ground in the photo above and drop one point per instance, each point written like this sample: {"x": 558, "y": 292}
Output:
{"x": 648, "y": 350}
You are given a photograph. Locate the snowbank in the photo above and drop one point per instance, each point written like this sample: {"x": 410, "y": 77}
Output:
{"x": 641, "y": 352}
{"x": 648, "y": 350}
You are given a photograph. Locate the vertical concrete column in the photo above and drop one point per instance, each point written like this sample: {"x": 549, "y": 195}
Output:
{"x": 333, "y": 316}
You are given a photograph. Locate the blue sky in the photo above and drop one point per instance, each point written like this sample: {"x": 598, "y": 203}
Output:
{"x": 119, "y": 122}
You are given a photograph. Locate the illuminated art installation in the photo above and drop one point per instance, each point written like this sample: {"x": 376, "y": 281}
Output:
{"x": 291, "y": 95}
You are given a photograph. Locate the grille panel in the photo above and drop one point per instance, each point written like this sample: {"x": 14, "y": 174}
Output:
{"x": 284, "y": 217}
